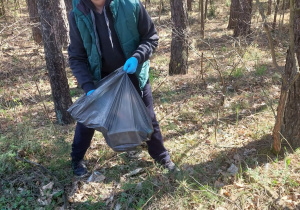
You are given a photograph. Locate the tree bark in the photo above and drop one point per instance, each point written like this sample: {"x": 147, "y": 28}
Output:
{"x": 179, "y": 45}
{"x": 291, "y": 120}
{"x": 189, "y": 5}
{"x": 2, "y": 8}
{"x": 160, "y": 10}
{"x": 275, "y": 14}
{"x": 243, "y": 25}
{"x": 146, "y": 3}
{"x": 234, "y": 14}
{"x": 17, "y": 4}
{"x": 69, "y": 6}
{"x": 269, "y": 7}
{"x": 205, "y": 13}
{"x": 202, "y": 18}
{"x": 54, "y": 59}
{"x": 287, "y": 125}
{"x": 62, "y": 20}
{"x": 35, "y": 21}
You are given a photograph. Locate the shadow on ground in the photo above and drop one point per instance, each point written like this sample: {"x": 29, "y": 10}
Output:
{"x": 254, "y": 154}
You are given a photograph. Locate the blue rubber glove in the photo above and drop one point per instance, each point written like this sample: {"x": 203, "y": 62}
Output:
{"x": 130, "y": 65}
{"x": 90, "y": 92}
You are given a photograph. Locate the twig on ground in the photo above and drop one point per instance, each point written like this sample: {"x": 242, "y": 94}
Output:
{"x": 106, "y": 161}
{"x": 159, "y": 85}
{"x": 150, "y": 198}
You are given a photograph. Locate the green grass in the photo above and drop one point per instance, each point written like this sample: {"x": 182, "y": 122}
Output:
{"x": 260, "y": 70}
{"x": 238, "y": 72}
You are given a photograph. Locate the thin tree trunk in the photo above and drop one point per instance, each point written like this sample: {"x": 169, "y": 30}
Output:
{"x": 179, "y": 45}
{"x": 205, "y": 13}
{"x": 282, "y": 19}
{"x": 48, "y": 11}
{"x": 275, "y": 14}
{"x": 160, "y": 8}
{"x": 201, "y": 18}
{"x": 189, "y": 5}
{"x": 17, "y": 4}
{"x": 2, "y": 8}
{"x": 269, "y": 7}
{"x": 35, "y": 21}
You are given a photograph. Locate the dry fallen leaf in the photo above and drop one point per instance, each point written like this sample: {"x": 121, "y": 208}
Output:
{"x": 227, "y": 194}
{"x": 48, "y": 186}
{"x": 239, "y": 185}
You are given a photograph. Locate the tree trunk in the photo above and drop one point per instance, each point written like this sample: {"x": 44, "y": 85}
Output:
{"x": 291, "y": 120}
{"x": 275, "y": 14}
{"x": 234, "y": 14}
{"x": 2, "y": 8}
{"x": 282, "y": 19}
{"x": 160, "y": 9}
{"x": 69, "y": 6}
{"x": 189, "y": 5}
{"x": 48, "y": 11}
{"x": 243, "y": 25}
{"x": 202, "y": 18}
{"x": 288, "y": 111}
{"x": 63, "y": 24}
{"x": 205, "y": 13}
{"x": 35, "y": 21}
{"x": 269, "y": 7}
{"x": 179, "y": 45}
{"x": 147, "y": 2}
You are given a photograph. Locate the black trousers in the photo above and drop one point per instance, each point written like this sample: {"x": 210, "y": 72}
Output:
{"x": 156, "y": 149}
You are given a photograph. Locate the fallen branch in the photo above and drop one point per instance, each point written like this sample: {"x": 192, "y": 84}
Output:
{"x": 150, "y": 198}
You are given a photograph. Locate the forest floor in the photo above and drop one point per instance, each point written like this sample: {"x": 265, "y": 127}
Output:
{"x": 222, "y": 148}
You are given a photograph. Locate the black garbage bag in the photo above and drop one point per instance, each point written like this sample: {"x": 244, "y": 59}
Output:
{"x": 116, "y": 109}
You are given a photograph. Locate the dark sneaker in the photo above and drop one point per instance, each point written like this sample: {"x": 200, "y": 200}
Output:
{"x": 170, "y": 166}
{"x": 79, "y": 168}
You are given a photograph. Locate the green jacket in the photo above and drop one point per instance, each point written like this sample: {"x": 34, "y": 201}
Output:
{"x": 126, "y": 15}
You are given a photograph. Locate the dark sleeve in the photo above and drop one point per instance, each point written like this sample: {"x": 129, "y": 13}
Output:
{"x": 148, "y": 36}
{"x": 78, "y": 59}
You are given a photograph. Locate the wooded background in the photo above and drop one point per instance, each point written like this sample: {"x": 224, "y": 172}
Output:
{"x": 225, "y": 56}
